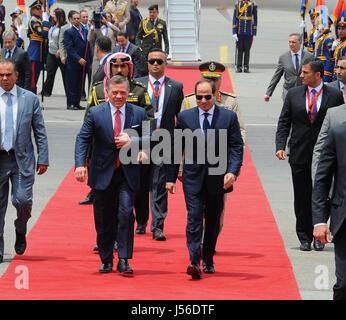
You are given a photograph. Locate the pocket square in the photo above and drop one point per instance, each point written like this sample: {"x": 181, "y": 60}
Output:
{"x": 135, "y": 126}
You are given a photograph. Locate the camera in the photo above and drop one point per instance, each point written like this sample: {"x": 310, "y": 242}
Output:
{"x": 97, "y": 18}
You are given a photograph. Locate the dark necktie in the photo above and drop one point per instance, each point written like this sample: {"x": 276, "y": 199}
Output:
{"x": 155, "y": 101}
{"x": 8, "y": 135}
{"x": 314, "y": 106}
{"x": 297, "y": 62}
{"x": 206, "y": 124}
{"x": 8, "y": 54}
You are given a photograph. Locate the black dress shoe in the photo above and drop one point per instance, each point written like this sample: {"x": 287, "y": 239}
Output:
{"x": 106, "y": 267}
{"x": 194, "y": 271}
{"x": 1, "y": 258}
{"x": 246, "y": 70}
{"x": 208, "y": 268}
{"x": 141, "y": 229}
{"x": 20, "y": 244}
{"x": 88, "y": 200}
{"x": 239, "y": 70}
{"x": 72, "y": 107}
{"x": 115, "y": 246}
{"x": 305, "y": 246}
{"x": 124, "y": 267}
{"x": 159, "y": 236}
{"x": 318, "y": 245}
{"x": 96, "y": 248}
{"x": 80, "y": 108}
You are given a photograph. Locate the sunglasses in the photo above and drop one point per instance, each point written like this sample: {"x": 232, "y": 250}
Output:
{"x": 159, "y": 61}
{"x": 200, "y": 97}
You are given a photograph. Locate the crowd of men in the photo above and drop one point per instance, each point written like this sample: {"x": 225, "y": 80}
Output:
{"x": 129, "y": 88}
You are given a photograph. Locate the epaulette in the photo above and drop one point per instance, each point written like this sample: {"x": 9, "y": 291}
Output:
{"x": 97, "y": 83}
{"x": 190, "y": 95}
{"x": 233, "y": 95}
{"x": 140, "y": 84}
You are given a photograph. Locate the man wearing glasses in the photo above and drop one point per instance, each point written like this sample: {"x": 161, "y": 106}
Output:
{"x": 166, "y": 97}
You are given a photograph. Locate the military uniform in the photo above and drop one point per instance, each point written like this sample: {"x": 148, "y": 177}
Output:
{"x": 121, "y": 10}
{"x": 245, "y": 27}
{"x": 15, "y": 15}
{"x": 37, "y": 33}
{"x": 340, "y": 50}
{"x": 309, "y": 41}
{"x": 149, "y": 36}
{"x": 324, "y": 45}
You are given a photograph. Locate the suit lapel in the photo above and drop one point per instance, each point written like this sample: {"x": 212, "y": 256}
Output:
{"x": 21, "y": 102}
{"x": 303, "y": 104}
{"x": 290, "y": 61}
{"x": 215, "y": 116}
{"x": 323, "y": 106}
{"x": 128, "y": 116}
{"x": 168, "y": 91}
{"x": 107, "y": 120}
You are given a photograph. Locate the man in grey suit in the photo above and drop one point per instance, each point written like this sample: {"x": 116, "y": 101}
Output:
{"x": 332, "y": 162}
{"x": 334, "y": 116}
{"x": 124, "y": 45}
{"x": 20, "y": 58}
{"x": 290, "y": 66}
{"x": 20, "y": 116}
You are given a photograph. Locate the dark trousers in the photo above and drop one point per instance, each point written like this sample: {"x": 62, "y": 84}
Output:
{"x": 53, "y": 63}
{"x": 142, "y": 196}
{"x": 302, "y": 187}
{"x": 113, "y": 208}
{"x": 244, "y": 46}
{"x": 340, "y": 263}
{"x": 36, "y": 67}
{"x": 210, "y": 207}
{"x": 74, "y": 84}
{"x": 21, "y": 194}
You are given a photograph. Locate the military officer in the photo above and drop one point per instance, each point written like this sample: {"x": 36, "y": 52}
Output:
{"x": 213, "y": 70}
{"x": 244, "y": 29}
{"x": 37, "y": 33}
{"x": 340, "y": 49}
{"x": 309, "y": 42}
{"x": 150, "y": 34}
{"x": 324, "y": 52}
{"x": 120, "y": 10}
{"x": 17, "y": 28}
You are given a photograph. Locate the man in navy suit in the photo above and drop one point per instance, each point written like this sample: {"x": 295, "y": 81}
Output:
{"x": 204, "y": 189}
{"x": 112, "y": 181}
{"x": 77, "y": 63}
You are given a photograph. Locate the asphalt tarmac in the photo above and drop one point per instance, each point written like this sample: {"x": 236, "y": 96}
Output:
{"x": 314, "y": 271}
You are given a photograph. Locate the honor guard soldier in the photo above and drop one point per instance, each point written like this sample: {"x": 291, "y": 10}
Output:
{"x": 244, "y": 29}
{"x": 340, "y": 49}
{"x": 309, "y": 41}
{"x": 150, "y": 34}
{"x": 120, "y": 11}
{"x": 213, "y": 70}
{"x": 17, "y": 28}
{"x": 324, "y": 52}
{"x": 37, "y": 33}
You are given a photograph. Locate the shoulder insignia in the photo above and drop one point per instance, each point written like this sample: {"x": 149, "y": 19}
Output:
{"x": 233, "y": 95}
{"x": 190, "y": 95}
{"x": 147, "y": 98}
{"x": 140, "y": 84}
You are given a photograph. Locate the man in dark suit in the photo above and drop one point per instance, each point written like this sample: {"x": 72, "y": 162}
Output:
{"x": 78, "y": 62}
{"x": 290, "y": 66}
{"x": 204, "y": 190}
{"x": 107, "y": 176}
{"x": 20, "y": 58}
{"x": 341, "y": 77}
{"x": 166, "y": 98}
{"x": 332, "y": 162}
{"x": 20, "y": 119}
{"x": 124, "y": 45}
{"x": 133, "y": 25}
{"x": 103, "y": 49}
{"x": 302, "y": 114}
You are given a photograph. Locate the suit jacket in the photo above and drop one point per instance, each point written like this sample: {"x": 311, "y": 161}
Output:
{"x": 77, "y": 48}
{"x": 135, "y": 54}
{"x": 294, "y": 116}
{"x": 172, "y": 101}
{"x": 98, "y": 127}
{"x": 286, "y": 68}
{"x": 332, "y": 161}
{"x": 195, "y": 174}
{"x": 29, "y": 119}
{"x": 335, "y": 84}
{"x": 23, "y": 66}
{"x": 334, "y": 117}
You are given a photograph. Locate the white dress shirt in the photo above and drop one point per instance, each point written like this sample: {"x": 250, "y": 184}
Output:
{"x": 122, "y": 114}
{"x": 202, "y": 117}
{"x": 319, "y": 99}
{"x": 3, "y": 102}
{"x": 158, "y": 113}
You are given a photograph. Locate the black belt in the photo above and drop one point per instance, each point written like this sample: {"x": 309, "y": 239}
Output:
{"x": 9, "y": 152}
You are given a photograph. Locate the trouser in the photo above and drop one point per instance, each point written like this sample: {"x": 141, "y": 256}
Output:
{"x": 74, "y": 85}
{"x": 340, "y": 263}
{"x": 53, "y": 63}
{"x": 108, "y": 217}
{"x": 210, "y": 207}
{"x": 142, "y": 196}
{"x": 244, "y": 46}
{"x": 302, "y": 187}
{"x": 36, "y": 67}
{"x": 21, "y": 194}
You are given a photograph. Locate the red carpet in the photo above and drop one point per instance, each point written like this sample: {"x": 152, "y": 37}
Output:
{"x": 250, "y": 263}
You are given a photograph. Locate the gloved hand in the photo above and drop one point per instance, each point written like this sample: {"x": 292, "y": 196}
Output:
{"x": 45, "y": 16}
{"x": 235, "y": 37}
{"x": 302, "y": 24}
{"x": 335, "y": 44}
